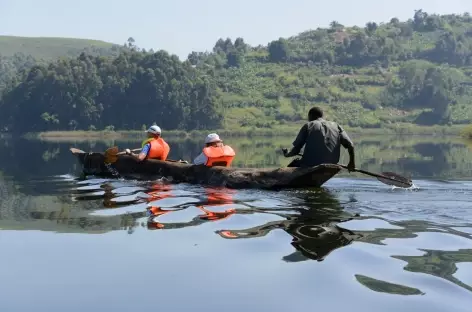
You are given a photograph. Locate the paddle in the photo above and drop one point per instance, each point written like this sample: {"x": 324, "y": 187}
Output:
{"x": 386, "y": 177}
{"x": 111, "y": 155}
{"x": 389, "y": 178}
{"x": 133, "y": 151}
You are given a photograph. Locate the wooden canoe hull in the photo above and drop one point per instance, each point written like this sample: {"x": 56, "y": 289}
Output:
{"x": 237, "y": 178}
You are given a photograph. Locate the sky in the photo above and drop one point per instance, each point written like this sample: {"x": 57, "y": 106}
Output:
{"x": 183, "y": 26}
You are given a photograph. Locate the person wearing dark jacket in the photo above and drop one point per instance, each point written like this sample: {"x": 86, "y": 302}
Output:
{"x": 322, "y": 140}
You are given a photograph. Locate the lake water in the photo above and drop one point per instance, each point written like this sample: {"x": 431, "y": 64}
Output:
{"x": 356, "y": 244}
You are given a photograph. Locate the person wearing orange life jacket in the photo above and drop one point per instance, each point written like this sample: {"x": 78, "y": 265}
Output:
{"x": 215, "y": 153}
{"x": 154, "y": 147}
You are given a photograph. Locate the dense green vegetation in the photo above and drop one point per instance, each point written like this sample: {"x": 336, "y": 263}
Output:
{"x": 98, "y": 92}
{"x": 390, "y": 75}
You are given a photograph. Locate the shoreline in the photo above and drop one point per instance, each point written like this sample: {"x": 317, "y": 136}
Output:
{"x": 398, "y": 129}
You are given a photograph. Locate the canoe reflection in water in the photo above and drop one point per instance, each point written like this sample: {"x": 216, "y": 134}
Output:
{"x": 310, "y": 217}
{"x": 314, "y": 229}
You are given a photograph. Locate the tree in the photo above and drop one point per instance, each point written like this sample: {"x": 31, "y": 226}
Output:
{"x": 394, "y": 21}
{"x": 419, "y": 20}
{"x": 131, "y": 43}
{"x": 234, "y": 58}
{"x": 335, "y": 25}
{"x": 371, "y": 27}
{"x": 193, "y": 58}
{"x": 424, "y": 85}
{"x": 240, "y": 45}
{"x": 279, "y": 50}
{"x": 452, "y": 49}
{"x": 223, "y": 46}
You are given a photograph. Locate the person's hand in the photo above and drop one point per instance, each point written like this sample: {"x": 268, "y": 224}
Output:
{"x": 351, "y": 166}
{"x": 128, "y": 151}
{"x": 285, "y": 151}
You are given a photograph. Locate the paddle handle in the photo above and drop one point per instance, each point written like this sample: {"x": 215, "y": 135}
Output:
{"x": 138, "y": 149}
{"x": 133, "y": 150}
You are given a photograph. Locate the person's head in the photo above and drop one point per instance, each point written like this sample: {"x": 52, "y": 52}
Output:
{"x": 153, "y": 132}
{"x": 315, "y": 113}
{"x": 212, "y": 139}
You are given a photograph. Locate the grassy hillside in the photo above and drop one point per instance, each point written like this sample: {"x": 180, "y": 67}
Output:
{"x": 18, "y": 54}
{"x": 357, "y": 74}
{"x": 47, "y": 48}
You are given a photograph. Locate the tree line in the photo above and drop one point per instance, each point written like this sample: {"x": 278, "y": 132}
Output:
{"x": 422, "y": 63}
{"x": 135, "y": 88}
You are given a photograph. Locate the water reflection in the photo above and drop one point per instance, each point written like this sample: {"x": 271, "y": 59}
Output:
{"x": 310, "y": 217}
{"x": 413, "y": 236}
{"x": 386, "y": 287}
{"x": 314, "y": 228}
{"x": 318, "y": 222}
{"x": 439, "y": 263}
{"x": 390, "y": 239}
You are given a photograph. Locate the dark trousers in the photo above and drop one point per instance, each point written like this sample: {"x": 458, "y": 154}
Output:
{"x": 297, "y": 162}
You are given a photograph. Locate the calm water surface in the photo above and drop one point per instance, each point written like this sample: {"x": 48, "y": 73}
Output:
{"x": 116, "y": 245}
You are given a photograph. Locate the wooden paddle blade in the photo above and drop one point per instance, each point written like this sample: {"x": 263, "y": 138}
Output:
{"x": 112, "y": 150}
{"x": 111, "y": 155}
{"x": 395, "y": 180}
{"x": 76, "y": 151}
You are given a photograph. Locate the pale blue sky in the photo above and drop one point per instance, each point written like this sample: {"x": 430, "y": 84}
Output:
{"x": 182, "y": 26}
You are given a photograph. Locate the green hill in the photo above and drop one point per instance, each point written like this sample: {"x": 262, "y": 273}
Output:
{"x": 393, "y": 75}
{"x": 22, "y": 53}
{"x": 48, "y": 48}
{"x": 417, "y": 71}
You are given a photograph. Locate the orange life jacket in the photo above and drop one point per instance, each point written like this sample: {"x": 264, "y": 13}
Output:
{"x": 219, "y": 155}
{"x": 159, "y": 149}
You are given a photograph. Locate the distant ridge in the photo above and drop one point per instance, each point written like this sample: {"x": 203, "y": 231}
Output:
{"x": 48, "y": 47}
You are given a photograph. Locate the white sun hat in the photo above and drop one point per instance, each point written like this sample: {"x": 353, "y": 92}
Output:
{"x": 212, "y": 138}
{"x": 154, "y": 130}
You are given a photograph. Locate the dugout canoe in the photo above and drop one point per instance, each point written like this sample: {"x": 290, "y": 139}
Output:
{"x": 93, "y": 163}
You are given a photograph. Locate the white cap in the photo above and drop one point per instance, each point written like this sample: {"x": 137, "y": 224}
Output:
{"x": 211, "y": 138}
{"x": 154, "y": 130}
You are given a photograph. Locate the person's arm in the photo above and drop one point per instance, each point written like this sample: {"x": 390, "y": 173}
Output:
{"x": 200, "y": 159}
{"x": 142, "y": 155}
{"x": 298, "y": 143}
{"x": 347, "y": 143}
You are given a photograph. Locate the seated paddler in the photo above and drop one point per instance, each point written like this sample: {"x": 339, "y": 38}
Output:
{"x": 154, "y": 147}
{"x": 215, "y": 153}
{"x": 322, "y": 140}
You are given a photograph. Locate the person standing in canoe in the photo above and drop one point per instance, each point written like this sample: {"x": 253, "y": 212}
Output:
{"x": 152, "y": 148}
{"x": 322, "y": 140}
{"x": 215, "y": 153}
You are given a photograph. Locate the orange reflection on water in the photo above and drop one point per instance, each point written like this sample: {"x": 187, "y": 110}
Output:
{"x": 215, "y": 197}
{"x": 159, "y": 191}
